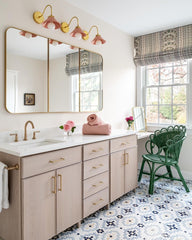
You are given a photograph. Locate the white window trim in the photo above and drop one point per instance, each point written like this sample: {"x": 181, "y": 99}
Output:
{"x": 140, "y": 76}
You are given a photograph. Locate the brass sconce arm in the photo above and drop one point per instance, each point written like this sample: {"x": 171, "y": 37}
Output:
{"x": 87, "y": 33}
{"x": 38, "y": 16}
{"x": 46, "y": 8}
{"x": 65, "y": 25}
{"x": 94, "y": 26}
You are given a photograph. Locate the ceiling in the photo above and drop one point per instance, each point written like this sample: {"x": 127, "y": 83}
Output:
{"x": 138, "y": 17}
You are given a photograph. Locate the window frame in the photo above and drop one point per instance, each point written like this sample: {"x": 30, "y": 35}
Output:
{"x": 141, "y": 94}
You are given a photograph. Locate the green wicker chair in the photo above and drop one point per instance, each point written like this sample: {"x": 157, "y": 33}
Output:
{"x": 163, "y": 149}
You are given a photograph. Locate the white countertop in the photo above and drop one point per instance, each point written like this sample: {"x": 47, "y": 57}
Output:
{"x": 30, "y": 147}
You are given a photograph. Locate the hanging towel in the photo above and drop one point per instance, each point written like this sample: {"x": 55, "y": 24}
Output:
{"x": 104, "y": 129}
{"x": 4, "y": 202}
{"x": 94, "y": 120}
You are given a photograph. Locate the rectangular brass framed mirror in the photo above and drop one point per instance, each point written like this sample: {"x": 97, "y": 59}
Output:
{"x": 62, "y": 78}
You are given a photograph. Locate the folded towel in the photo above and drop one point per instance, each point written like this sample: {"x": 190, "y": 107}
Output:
{"x": 94, "y": 120}
{"x": 104, "y": 129}
{"x": 4, "y": 202}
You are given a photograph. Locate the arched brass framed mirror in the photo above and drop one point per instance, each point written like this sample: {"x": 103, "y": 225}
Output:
{"x": 55, "y": 76}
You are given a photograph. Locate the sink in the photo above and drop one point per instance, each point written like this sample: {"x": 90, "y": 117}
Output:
{"x": 35, "y": 143}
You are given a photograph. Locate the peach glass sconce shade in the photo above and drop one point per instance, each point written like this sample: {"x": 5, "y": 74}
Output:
{"x": 77, "y": 32}
{"x": 27, "y": 34}
{"x": 98, "y": 40}
{"x": 50, "y": 22}
{"x": 54, "y": 42}
{"x": 73, "y": 47}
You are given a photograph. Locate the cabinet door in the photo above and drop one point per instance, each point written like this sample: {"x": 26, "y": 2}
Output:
{"x": 130, "y": 169}
{"x": 117, "y": 175}
{"x": 69, "y": 196}
{"x": 38, "y": 207}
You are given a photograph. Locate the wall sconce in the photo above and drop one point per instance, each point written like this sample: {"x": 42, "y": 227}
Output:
{"x": 27, "y": 34}
{"x": 54, "y": 42}
{"x": 49, "y": 23}
{"x": 97, "y": 40}
{"x": 77, "y": 32}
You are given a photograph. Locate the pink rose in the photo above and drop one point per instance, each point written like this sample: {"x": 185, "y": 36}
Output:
{"x": 67, "y": 127}
{"x": 129, "y": 118}
{"x": 71, "y": 123}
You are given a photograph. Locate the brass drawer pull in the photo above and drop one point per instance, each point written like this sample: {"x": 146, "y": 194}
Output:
{"x": 60, "y": 176}
{"x": 55, "y": 184}
{"x": 57, "y": 160}
{"x": 97, "y": 150}
{"x": 122, "y": 144}
{"x": 100, "y": 165}
{"x": 97, "y": 185}
{"x": 99, "y": 201}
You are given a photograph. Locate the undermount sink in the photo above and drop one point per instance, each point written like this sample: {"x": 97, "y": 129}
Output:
{"x": 35, "y": 143}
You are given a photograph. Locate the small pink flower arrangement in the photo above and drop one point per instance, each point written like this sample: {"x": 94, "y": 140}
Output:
{"x": 129, "y": 120}
{"x": 68, "y": 127}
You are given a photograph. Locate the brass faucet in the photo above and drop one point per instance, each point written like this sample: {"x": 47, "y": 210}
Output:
{"x": 25, "y": 129}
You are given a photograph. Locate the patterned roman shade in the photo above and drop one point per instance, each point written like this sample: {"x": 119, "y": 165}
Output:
{"x": 89, "y": 62}
{"x": 165, "y": 46}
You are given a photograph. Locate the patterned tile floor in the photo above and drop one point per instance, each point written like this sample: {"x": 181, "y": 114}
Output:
{"x": 167, "y": 214}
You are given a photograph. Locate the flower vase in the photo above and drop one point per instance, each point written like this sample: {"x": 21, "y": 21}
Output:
{"x": 69, "y": 133}
{"x": 129, "y": 127}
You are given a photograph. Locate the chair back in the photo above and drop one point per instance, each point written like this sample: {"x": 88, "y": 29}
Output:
{"x": 174, "y": 147}
{"x": 168, "y": 141}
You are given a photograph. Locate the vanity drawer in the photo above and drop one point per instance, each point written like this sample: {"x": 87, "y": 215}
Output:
{"x": 95, "y": 150}
{"x": 123, "y": 142}
{"x": 96, "y": 166}
{"x": 96, "y": 184}
{"x": 95, "y": 202}
{"x": 45, "y": 162}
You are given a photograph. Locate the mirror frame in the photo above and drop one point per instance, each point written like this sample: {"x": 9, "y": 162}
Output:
{"x": 48, "y": 80}
{"x": 145, "y": 121}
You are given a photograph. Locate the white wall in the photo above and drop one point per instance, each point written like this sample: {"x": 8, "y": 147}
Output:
{"x": 118, "y": 73}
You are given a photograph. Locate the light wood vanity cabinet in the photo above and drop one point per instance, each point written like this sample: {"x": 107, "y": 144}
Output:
{"x": 38, "y": 207}
{"x": 95, "y": 177}
{"x": 47, "y": 195}
{"x": 123, "y": 161}
{"x": 51, "y": 200}
{"x": 55, "y": 190}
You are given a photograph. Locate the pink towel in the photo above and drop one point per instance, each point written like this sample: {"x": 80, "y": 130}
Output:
{"x": 104, "y": 129}
{"x": 94, "y": 120}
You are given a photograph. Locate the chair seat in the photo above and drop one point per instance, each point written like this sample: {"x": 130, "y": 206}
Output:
{"x": 159, "y": 159}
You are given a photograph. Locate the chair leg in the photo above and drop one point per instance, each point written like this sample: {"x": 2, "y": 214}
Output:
{"x": 141, "y": 170}
{"x": 152, "y": 178}
{"x": 182, "y": 179}
{"x": 170, "y": 172}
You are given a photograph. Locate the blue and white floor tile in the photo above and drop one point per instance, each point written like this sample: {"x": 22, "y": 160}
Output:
{"x": 165, "y": 215}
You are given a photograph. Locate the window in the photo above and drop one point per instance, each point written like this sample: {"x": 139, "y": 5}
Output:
{"x": 90, "y": 91}
{"x": 166, "y": 92}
